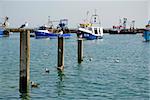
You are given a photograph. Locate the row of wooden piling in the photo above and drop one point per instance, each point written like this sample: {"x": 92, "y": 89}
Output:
{"x": 24, "y": 78}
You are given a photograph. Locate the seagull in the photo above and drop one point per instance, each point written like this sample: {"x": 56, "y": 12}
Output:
{"x": 24, "y": 25}
{"x": 61, "y": 32}
{"x": 117, "y": 61}
{"x": 5, "y": 24}
{"x": 46, "y": 70}
{"x": 34, "y": 85}
{"x": 90, "y": 59}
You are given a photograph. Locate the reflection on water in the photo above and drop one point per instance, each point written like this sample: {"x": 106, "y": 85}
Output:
{"x": 25, "y": 96}
{"x": 60, "y": 83}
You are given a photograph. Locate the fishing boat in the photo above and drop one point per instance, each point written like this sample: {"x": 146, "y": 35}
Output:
{"x": 3, "y": 25}
{"x": 48, "y": 31}
{"x": 146, "y": 33}
{"x": 92, "y": 29}
{"x": 121, "y": 28}
{"x": 1, "y": 31}
{"x": 44, "y": 32}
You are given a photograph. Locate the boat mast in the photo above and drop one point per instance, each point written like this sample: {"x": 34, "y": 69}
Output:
{"x": 124, "y": 22}
{"x": 50, "y": 24}
{"x": 95, "y": 16}
{"x": 120, "y": 22}
{"x": 95, "y": 19}
{"x": 132, "y": 24}
{"x": 87, "y": 14}
{"x": 149, "y": 22}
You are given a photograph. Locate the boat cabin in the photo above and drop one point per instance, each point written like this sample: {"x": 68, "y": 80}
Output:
{"x": 84, "y": 25}
{"x": 95, "y": 30}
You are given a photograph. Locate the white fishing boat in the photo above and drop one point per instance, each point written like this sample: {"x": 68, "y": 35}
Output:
{"x": 146, "y": 33}
{"x": 92, "y": 29}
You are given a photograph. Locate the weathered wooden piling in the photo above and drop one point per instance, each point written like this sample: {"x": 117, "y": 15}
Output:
{"x": 80, "y": 50}
{"x": 60, "y": 53}
{"x": 24, "y": 61}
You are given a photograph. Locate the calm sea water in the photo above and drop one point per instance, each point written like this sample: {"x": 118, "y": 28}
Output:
{"x": 115, "y": 68}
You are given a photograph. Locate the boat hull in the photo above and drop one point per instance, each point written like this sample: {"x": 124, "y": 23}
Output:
{"x": 146, "y": 35}
{"x": 50, "y": 35}
{"x": 93, "y": 33}
{"x": 42, "y": 34}
{"x": 121, "y": 32}
{"x": 3, "y": 33}
{"x": 113, "y": 32}
{"x": 65, "y": 35}
{"x": 89, "y": 36}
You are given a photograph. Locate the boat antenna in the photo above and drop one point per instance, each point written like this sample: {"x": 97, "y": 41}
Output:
{"x": 87, "y": 13}
{"x": 95, "y": 18}
{"x": 124, "y": 22}
{"x": 49, "y": 20}
{"x": 149, "y": 22}
{"x": 95, "y": 11}
{"x": 120, "y": 22}
{"x": 50, "y": 24}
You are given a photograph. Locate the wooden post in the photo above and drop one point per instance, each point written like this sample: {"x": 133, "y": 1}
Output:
{"x": 60, "y": 53}
{"x": 80, "y": 50}
{"x": 24, "y": 61}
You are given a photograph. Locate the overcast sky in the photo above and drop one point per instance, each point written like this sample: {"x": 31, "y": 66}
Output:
{"x": 36, "y": 12}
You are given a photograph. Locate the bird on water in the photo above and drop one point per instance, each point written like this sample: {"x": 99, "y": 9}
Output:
{"x": 34, "y": 85}
{"x": 47, "y": 70}
{"x": 117, "y": 61}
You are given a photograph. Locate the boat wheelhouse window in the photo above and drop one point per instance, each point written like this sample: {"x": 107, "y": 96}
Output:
{"x": 95, "y": 31}
{"x": 90, "y": 28}
{"x": 42, "y": 28}
{"x": 99, "y": 30}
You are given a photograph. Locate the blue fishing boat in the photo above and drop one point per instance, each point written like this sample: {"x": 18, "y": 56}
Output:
{"x": 146, "y": 33}
{"x": 1, "y": 31}
{"x": 92, "y": 29}
{"x": 51, "y": 32}
{"x": 44, "y": 32}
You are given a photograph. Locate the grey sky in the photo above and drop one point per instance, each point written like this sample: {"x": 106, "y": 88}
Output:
{"x": 37, "y": 12}
{"x": 148, "y": 6}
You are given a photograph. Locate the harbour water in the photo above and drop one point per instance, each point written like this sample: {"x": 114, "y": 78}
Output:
{"x": 114, "y": 68}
